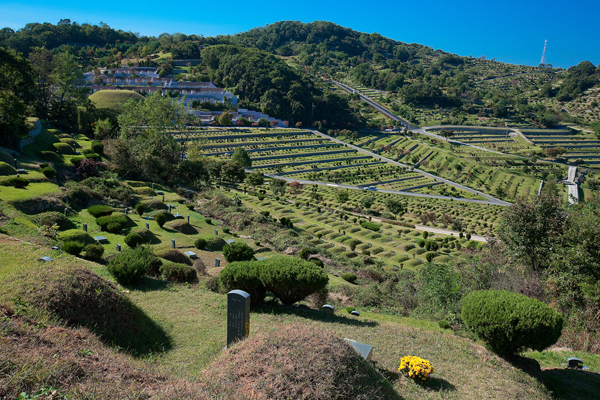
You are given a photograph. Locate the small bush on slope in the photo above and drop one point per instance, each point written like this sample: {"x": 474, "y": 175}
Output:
{"x": 510, "y": 322}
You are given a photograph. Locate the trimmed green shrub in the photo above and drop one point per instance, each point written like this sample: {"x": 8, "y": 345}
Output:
{"x": 100, "y": 210}
{"x": 442, "y": 323}
{"x": 50, "y": 218}
{"x": 510, "y": 322}
{"x": 70, "y": 141}
{"x": 94, "y": 251}
{"x": 131, "y": 264}
{"x": 349, "y": 277}
{"x": 291, "y": 279}
{"x": 140, "y": 209}
{"x": 16, "y": 181}
{"x": 154, "y": 267}
{"x": 76, "y": 160}
{"x": 49, "y": 172}
{"x": 244, "y": 275}
{"x": 200, "y": 243}
{"x": 6, "y": 169}
{"x": 305, "y": 253}
{"x": 63, "y": 148}
{"x": 317, "y": 262}
{"x": 133, "y": 240}
{"x": 175, "y": 272}
{"x": 215, "y": 243}
{"x": 154, "y": 205}
{"x": 113, "y": 223}
{"x": 50, "y": 156}
{"x": 160, "y": 219}
{"x": 73, "y": 248}
{"x": 97, "y": 147}
{"x": 370, "y": 225}
{"x": 238, "y": 251}
{"x": 90, "y": 154}
{"x": 76, "y": 235}
{"x": 174, "y": 256}
{"x": 429, "y": 257}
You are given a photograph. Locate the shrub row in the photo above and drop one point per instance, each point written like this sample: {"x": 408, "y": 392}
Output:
{"x": 290, "y": 279}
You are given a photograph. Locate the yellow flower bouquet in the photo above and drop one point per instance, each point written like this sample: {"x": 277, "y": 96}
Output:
{"x": 416, "y": 367}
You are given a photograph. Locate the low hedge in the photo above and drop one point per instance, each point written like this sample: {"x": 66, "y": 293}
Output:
{"x": 100, "y": 210}
{"x": 175, "y": 272}
{"x": 76, "y": 235}
{"x": 509, "y": 322}
{"x": 63, "y": 148}
{"x": 72, "y": 247}
{"x": 349, "y": 277}
{"x": 238, "y": 251}
{"x": 370, "y": 225}
{"x": 50, "y": 156}
{"x": 215, "y": 243}
{"x": 174, "y": 256}
{"x": 50, "y": 218}
{"x": 131, "y": 264}
{"x": 49, "y": 172}
{"x": 113, "y": 223}
{"x": 200, "y": 243}
{"x": 290, "y": 279}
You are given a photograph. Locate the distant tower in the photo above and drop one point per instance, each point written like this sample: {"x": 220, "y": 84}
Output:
{"x": 543, "y": 63}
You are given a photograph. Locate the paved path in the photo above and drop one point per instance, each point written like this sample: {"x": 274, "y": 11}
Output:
{"x": 572, "y": 185}
{"x": 490, "y": 199}
{"x": 398, "y": 192}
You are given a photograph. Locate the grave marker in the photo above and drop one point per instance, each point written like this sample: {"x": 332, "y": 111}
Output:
{"x": 173, "y": 243}
{"x": 148, "y": 225}
{"x": 84, "y": 227}
{"x": 238, "y": 316}
{"x": 365, "y": 350}
{"x": 327, "y": 308}
{"x": 217, "y": 262}
{"x": 118, "y": 247}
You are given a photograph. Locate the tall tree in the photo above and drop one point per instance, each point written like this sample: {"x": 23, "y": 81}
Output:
{"x": 240, "y": 155}
{"x": 529, "y": 229}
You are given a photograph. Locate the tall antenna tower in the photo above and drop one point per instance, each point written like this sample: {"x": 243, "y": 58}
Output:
{"x": 543, "y": 63}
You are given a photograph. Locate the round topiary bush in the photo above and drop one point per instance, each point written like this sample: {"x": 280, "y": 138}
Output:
{"x": 113, "y": 223}
{"x": 238, "y": 251}
{"x": 49, "y": 172}
{"x": 73, "y": 248}
{"x": 76, "y": 235}
{"x": 291, "y": 279}
{"x": 131, "y": 264}
{"x": 100, "y": 210}
{"x": 50, "y": 218}
{"x": 317, "y": 262}
{"x": 133, "y": 240}
{"x": 305, "y": 253}
{"x": 63, "y": 148}
{"x": 140, "y": 209}
{"x": 215, "y": 243}
{"x": 161, "y": 219}
{"x": 94, "y": 252}
{"x": 296, "y": 362}
{"x": 510, "y": 322}
{"x": 244, "y": 275}
{"x": 97, "y": 147}
{"x": 200, "y": 243}
{"x": 175, "y": 272}
{"x": 174, "y": 256}
{"x": 349, "y": 277}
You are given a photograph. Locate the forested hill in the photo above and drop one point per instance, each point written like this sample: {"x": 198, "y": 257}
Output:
{"x": 267, "y": 82}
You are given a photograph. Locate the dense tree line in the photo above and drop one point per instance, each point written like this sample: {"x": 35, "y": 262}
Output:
{"x": 265, "y": 82}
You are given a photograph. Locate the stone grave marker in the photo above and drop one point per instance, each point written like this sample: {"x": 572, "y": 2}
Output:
{"x": 355, "y": 313}
{"x": 217, "y": 262}
{"x": 118, "y": 247}
{"x": 365, "y": 350}
{"x": 238, "y": 316}
{"x": 148, "y": 225}
{"x": 84, "y": 227}
{"x": 45, "y": 259}
{"x": 173, "y": 243}
{"x": 327, "y": 308}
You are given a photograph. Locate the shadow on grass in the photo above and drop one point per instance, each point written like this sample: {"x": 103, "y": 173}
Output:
{"x": 309, "y": 313}
{"x": 148, "y": 284}
{"x": 564, "y": 383}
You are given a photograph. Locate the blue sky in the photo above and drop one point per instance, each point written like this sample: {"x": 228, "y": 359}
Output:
{"x": 509, "y": 31}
